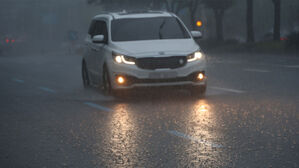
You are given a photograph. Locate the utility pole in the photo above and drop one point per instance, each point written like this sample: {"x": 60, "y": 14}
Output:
{"x": 250, "y": 29}
{"x": 276, "y": 33}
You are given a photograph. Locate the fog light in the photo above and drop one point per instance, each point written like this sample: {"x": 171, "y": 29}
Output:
{"x": 120, "y": 80}
{"x": 200, "y": 76}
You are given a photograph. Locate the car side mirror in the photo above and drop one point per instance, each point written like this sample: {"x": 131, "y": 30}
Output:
{"x": 196, "y": 34}
{"x": 98, "y": 39}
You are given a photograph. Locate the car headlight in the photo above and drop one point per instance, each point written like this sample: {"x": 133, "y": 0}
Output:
{"x": 195, "y": 56}
{"x": 122, "y": 59}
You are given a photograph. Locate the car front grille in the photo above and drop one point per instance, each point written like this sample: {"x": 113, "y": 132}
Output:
{"x": 153, "y": 63}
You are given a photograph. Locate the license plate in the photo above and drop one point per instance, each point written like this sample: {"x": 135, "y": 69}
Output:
{"x": 162, "y": 75}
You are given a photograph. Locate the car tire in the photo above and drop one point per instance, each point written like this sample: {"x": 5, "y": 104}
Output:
{"x": 106, "y": 86}
{"x": 85, "y": 77}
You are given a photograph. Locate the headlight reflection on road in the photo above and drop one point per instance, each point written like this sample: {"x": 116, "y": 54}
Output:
{"x": 122, "y": 137}
{"x": 201, "y": 124}
{"x": 202, "y": 118}
{"x": 203, "y": 108}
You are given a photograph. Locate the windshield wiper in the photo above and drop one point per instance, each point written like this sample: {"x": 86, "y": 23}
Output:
{"x": 160, "y": 28}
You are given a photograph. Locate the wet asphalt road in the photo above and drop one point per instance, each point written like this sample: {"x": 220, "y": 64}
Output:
{"x": 248, "y": 118}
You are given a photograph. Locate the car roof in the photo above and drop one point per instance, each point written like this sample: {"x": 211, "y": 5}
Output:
{"x": 134, "y": 14}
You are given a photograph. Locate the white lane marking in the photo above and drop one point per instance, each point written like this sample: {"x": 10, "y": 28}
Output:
{"x": 256, "y": 70}
{"x": 46, "y": 89}
{"x": 212, "y": 92}
{"x": 285, "y": 66}
{"x": 182, "y": 135}
{"x": 227, "y": 90}
{"x": 291, "y": 66}
{"x": 97, "y": 106}
{"x": 226, "y": 62}
{"x": 18, "y": 80}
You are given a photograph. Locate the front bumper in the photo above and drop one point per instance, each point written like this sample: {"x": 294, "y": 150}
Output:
{"x": 137, "y": 77}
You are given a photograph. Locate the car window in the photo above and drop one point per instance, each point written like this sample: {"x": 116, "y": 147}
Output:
{"x": 147, "y": 29}
{"x": 91, "y": 28}
{"x": 99, "y": 28}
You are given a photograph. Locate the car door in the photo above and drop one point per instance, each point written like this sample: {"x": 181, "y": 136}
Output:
{"x": 98, "y": 49}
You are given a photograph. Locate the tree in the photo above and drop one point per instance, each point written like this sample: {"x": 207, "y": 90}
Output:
{"x": 174, "y": 6}
{"x": 193, "y": 6}
{"x": 250, "y": 30}
{"x": 276, "y": 33}
{"x": 158, "y": 4}
{"x": 114, "y": 5}
{"x": 219, "y": 7}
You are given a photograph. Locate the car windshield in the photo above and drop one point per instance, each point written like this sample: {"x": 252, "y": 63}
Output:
{"x": 147, "y": 29}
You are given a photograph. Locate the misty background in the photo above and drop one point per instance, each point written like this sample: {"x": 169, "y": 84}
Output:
{"x": 42, "y": 26}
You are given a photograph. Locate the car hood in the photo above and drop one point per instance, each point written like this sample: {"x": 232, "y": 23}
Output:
{"x": 158, "y": 48}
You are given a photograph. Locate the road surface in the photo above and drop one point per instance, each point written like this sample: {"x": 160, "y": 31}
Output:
{"x": 248, "y": 118}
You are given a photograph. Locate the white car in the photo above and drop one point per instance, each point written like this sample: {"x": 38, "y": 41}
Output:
{"x": 130, "y": 50}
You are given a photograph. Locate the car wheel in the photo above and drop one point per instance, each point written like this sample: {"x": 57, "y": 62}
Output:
{"x": 85, "y": 77}
{"x": 107, "y": 88}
